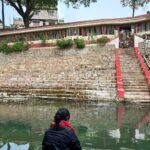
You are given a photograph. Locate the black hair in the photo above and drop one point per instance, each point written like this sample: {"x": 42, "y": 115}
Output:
{"x": 61, "y": 114}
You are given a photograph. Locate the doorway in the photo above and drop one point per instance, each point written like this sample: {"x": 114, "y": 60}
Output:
{"x": 126, "y": 39}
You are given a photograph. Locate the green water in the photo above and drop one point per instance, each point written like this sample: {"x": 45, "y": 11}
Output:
{"x": 99, "y": 127}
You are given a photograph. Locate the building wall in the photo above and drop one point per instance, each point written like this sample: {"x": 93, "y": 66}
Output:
{"x": 36, "y": 23}
{"x": 88, "y": 33}
{"x": 45, "y": 15}
{"x": 85, "y": 29}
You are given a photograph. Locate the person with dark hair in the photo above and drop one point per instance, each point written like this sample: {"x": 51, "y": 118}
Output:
{"x": 61, "y": 135}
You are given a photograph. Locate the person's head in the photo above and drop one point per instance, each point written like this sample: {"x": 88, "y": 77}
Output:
{"x": 62, "y": 114}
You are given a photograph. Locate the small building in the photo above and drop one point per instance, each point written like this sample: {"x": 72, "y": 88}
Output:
{"x": 1, "y": 25}
{"x": 44, "y": 17}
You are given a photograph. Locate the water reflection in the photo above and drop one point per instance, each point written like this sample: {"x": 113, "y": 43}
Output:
{"x": 139, "y": 131}
{"x": 13, "y": 146}
{"x": 120, "y": 109}
{"x": 144, "y": 120}
{"x": 100, "y": 127}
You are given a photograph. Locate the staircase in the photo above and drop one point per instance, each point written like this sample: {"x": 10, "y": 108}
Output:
{"x": 52, "y": 74}
{"x": 134, "y": 82}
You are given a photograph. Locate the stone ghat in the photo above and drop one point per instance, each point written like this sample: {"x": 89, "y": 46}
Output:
{"x": 55, "y": 74}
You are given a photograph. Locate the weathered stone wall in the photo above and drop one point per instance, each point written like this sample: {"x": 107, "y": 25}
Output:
{"x": 87, "y": 74}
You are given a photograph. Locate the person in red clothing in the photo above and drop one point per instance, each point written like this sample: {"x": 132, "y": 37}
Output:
{"x": 61, "y": 135}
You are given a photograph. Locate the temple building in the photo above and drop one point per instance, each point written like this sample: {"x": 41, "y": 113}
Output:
{"x": 89, "y": 29}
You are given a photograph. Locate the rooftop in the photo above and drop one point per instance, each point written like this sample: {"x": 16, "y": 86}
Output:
{"x": 110, "y": 21}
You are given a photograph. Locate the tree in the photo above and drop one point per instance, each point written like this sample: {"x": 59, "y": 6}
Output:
{"x": 3, "y": 16}
{"x": 78, "y": 3}
{"x": 27, "y": 8}
{"x": 134, "y": 4}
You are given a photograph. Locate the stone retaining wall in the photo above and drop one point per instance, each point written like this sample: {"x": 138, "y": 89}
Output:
{"x": 51, "y": 73}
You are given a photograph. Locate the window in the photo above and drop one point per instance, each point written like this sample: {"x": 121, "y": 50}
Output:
{"x": 73, "y": 31}
{"x": 50, "y": 12}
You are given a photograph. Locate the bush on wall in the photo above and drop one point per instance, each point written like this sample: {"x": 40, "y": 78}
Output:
{"x": 103, "y": 40}
{"x": 44, "y": 38}
{"x": 4, "y": 47}
{"x": 79, "y": 43}
{"x": 64, "y": 43}
{"x": 16, "y": 47}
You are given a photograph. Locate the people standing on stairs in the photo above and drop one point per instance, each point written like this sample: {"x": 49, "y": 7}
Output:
{"x": 61, "y": 135}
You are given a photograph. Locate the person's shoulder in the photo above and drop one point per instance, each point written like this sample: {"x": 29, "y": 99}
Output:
{"x": 58, "y": 128}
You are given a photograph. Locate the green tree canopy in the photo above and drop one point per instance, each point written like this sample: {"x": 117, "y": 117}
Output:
{"x": 134, "y": 4}
{"x": 26, "y": 8}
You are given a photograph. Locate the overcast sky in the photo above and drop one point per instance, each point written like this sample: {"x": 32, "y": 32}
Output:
{"x": 101, "y": 9}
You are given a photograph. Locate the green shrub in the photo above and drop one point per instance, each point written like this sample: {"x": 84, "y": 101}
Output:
{"x": 44, "y": 38}
{"x": 17, "y": 47}
{"x": 20, "y": 46}
{"x": 79, "y": 43}
{"x": 64, "y": 43}
{"x": 4, "y": 47}
{"x": 103, "y": 40}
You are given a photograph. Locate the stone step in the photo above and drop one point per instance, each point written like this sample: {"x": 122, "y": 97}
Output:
{"x": 136, "y": 98}
{"x": 141, "y": 78}
{"x": 86, "y": 94}
{"x": 134, "y": 83}
{"x": 144, "y": 94}
{"x": 136, "y": 86}
{"x": 56, "y": 90}
{"x": 128, "y": 58}
{"x": 133, "y": 73}
{"x": 133, "y": 68}
{"x": 136, "y": 90}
